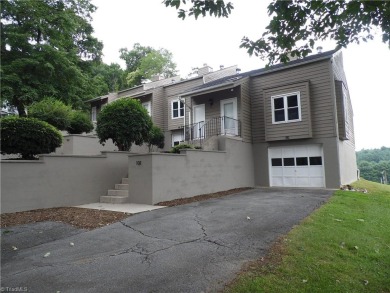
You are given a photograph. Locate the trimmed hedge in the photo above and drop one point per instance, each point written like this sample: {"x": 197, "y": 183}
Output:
{"x": 51, "y": 111}
{"x": 79, "y": 123}
{"x": 125, "y": 121}
{"x": 28, "y": 137}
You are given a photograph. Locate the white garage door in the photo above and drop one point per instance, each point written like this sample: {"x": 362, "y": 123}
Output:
{"x": 296, "y": 166}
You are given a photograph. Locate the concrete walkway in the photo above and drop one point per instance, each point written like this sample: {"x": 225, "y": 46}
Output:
{"x": 131, "y": 208}
{"x": 197, "y": 247}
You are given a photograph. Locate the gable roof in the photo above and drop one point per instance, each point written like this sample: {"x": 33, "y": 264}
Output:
{"x": 234, "y": 80}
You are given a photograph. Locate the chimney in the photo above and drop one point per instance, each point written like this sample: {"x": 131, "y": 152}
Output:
{"x": 155, "y": 77}
{"x": 204, "y": 70}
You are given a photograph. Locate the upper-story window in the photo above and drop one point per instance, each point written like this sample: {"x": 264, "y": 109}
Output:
{"x": 286, "y": 108}
{"x": 177, "y": 109}
{"x": 148, "y": 107}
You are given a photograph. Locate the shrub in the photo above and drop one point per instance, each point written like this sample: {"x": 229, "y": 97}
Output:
{"x": 28, "y": 137}
{"x": 51, "y": 111}
{"x": 176, "y": 149}
{"x": 79, "y": 123}
{"x": 125, "y": 121}
{"x": 156, "y": 138}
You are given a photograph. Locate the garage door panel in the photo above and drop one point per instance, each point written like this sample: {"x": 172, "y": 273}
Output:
{"x": 302, "y": 172}
{"x": 302, "y": 182}
{"x": 288, "y": 171}
{"x": 316, "y": 182}
{"x": 289, "y": 181}
{"x": 277, "y": 181}
{"x": 277, "y": 171}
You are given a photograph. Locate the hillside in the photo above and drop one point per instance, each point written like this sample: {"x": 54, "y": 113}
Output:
{"x": 373, "y": 162}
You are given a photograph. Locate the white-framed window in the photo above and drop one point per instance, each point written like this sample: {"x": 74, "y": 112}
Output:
{"x": 177, "y": 109}
{"x": 286, "y": 108}
{"x": 148, "y": 107}
{"x": 93, "y": 114}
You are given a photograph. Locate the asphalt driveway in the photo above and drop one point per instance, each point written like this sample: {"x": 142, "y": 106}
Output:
{"x": 191, "y": 248}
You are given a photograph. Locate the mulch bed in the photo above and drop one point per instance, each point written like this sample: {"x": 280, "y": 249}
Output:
{"x": 90, "y": 218}
{"x": 78, "y": 217}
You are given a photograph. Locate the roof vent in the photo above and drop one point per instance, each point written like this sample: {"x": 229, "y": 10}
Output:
{"x": 319, "y": 49}
{"x": 238, "y": 70}
{"x": 221, "y": 67}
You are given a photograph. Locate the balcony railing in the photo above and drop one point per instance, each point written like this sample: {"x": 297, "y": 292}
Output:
{"x": 198, "y": 132}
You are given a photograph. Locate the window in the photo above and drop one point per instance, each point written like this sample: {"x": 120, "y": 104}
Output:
{"x": 302, "y": 161}
{"x": 276, "y": 162}
{"x": 93, "y": 114}
{"x": 147, "y": 106}
{"x": 288, "y": 162}
{"x": 286, "y": 108}
{"x": 315, "y": 161}
{"x": 177, "y": 109}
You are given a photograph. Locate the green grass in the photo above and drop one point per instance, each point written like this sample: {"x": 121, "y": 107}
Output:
{"x": 342, "y": 247}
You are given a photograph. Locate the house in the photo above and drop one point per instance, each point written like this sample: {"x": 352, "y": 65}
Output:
{"x": 297, "y": 117}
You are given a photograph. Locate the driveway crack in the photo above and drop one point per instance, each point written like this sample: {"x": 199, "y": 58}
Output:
{"x": 146, "y": 235}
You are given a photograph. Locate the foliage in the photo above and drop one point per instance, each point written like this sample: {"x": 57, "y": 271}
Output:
{"x": 51, "y": 111}
{"x": 297, "y": 25}
{"x": 28, "y": 137}
{"x": 156, "y": 138}
{"x": 79, "y": 122}
{"x": 214, "y": 8}
{"x": 373, "y": 162}
{"x": 176, "y": 149}
{"x": 144, "y": 62}
{"x": 110, "y": 78}
{"x": 125, "y": 121}
{"x": 341, "y": 247}
{"x": 45, "y": 45}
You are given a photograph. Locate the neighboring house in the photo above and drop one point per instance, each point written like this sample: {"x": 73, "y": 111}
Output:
{"x": 297, "y": 117}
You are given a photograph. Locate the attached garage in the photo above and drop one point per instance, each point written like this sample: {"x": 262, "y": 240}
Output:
{"x": 296, "y": 166}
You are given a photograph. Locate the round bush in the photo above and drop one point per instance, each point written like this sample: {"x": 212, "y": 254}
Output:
{"x": 51, "y": 111}
{"x": 79, "y": 123}
{"x": 28, "y": 137}
{"x": 125, "y": 121}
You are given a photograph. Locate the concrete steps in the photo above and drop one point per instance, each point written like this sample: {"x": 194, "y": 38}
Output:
{"x": 117, "y": 195}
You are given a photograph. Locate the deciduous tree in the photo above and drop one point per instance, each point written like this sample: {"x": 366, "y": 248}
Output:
{"x": 43, "y": 46}
{"x": 297, "y": 25}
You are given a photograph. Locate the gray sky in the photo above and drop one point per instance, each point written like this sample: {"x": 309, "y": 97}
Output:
{"x": 121, "y": 23}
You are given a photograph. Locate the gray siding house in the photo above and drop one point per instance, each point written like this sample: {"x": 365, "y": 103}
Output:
{"x": 297, "y": 117}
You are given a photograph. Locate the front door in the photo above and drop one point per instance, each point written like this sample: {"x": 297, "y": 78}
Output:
{"x": 199, "y": 119}
{"x": 229, "y": 123}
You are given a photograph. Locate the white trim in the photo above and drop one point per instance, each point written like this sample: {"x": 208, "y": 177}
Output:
{"x": 178, "y": 109}
{"x": 285, "y": 107}
{"x": 226, "y": 101}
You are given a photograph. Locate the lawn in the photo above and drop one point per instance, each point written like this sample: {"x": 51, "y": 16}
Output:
{"x": 344, "y": 246}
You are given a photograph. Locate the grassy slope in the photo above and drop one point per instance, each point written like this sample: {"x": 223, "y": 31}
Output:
{"x": 342, "y": 247}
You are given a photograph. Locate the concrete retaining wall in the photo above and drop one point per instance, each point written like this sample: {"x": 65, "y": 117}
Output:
{"x": 77, "y": 144}
{"x": 55, "y": 181}
{"x": 160, "y": 177}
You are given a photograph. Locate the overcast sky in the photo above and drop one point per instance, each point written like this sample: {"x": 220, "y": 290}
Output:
{"x": 122, "y": 23}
